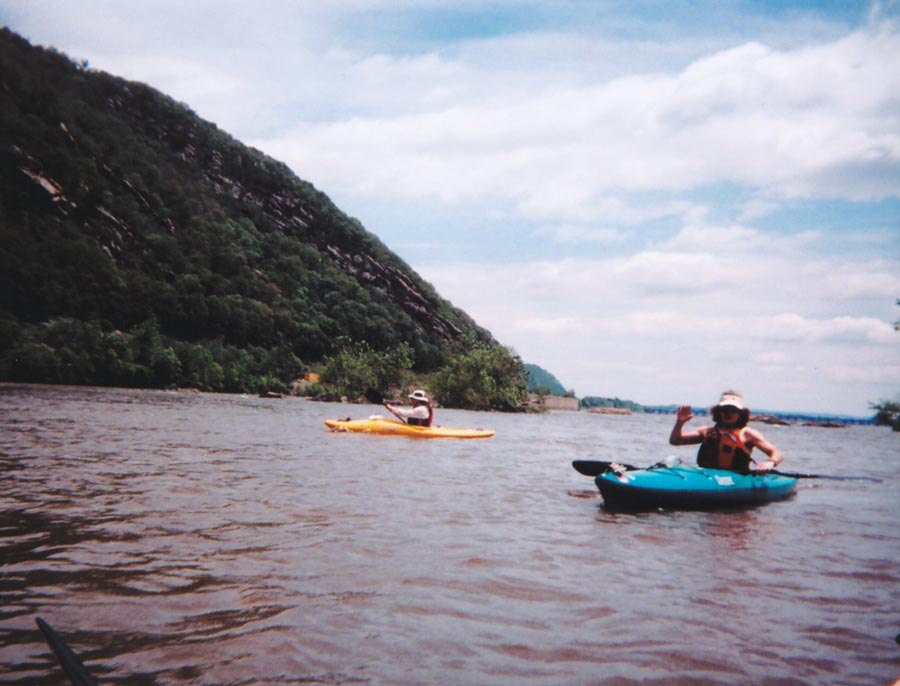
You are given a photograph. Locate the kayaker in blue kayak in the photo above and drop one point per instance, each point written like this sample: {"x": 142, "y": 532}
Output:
{"x": 728, "y": 444}
{"x": 420, "y": 414}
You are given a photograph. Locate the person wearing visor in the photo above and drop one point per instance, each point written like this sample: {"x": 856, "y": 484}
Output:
{"x": 420, "y": 414}
{"x": 728, "y": 444}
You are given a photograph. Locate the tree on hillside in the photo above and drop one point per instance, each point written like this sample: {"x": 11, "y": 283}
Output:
{"x": 357, "y": 370}
{"x": 483, "y": 378}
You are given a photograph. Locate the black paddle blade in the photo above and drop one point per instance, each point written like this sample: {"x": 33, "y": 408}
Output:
{"x": 596, "y": 467}
{"x": 590, "y": 467}
{"x": 76, "y": 671}
{"x": 374, "y": 396}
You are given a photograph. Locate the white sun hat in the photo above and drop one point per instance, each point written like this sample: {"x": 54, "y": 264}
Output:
{"x": 731, "y": 399}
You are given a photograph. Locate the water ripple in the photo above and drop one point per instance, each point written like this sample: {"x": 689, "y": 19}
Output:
{"x": 178, "y": 538}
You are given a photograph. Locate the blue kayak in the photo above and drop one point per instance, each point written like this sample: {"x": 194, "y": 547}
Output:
{"x": 686, "y": 487}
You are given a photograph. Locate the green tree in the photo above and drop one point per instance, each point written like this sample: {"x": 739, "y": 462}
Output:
{"x": 356, "y": 369}
{"x": 199, "y": 368}
{"x": 887, "y": 414}
{"x": 483, "y": 378}
{"x": 283, "y": 364}
{"x": 240, "y": 367}
{"x": 158, "y": 365}
{"x": 34, "y": 361}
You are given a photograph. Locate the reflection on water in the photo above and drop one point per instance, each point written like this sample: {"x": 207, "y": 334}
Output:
{"x": 177, "y": 538}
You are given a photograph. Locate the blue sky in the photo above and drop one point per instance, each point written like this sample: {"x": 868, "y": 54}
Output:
{"x": 651, "y": 200}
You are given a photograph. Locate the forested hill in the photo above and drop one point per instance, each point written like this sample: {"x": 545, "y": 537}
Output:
{"x": 141, "y": 245}
{"x": 540, "y": 378}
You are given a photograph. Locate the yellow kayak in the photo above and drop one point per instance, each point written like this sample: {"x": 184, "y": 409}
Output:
{"x": 392, "y": 427}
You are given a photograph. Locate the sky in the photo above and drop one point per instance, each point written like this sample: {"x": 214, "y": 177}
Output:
{"x": 652, "y": 200}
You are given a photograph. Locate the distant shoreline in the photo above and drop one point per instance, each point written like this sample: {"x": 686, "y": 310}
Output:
{"x": 787, "y": 418}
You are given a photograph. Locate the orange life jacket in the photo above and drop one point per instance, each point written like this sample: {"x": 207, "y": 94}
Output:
{"x": 725, "y": 449}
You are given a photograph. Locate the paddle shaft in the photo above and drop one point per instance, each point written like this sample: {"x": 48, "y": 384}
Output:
{"x": 597, "y": 467}
{"x": 835, "y": 477}
{"x": 390, "y": 409}
{"x": 68, "y": 660}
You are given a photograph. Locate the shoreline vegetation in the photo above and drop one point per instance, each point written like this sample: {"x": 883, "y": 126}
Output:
{"x": 303, "y": 389}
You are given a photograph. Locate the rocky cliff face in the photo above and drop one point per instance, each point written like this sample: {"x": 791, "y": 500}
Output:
{"x": 92, "y": 160}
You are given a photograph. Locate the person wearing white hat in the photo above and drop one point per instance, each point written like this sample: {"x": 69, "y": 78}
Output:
{"x": 420, "y": 414}
{"x": 728, "y": 444}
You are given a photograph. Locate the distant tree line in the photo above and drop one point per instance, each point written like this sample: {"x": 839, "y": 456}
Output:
{"x": 593, "y": 401}
{"x": 69, "y": 351}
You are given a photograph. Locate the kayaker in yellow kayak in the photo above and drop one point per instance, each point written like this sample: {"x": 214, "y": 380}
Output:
{"x": 728, "y": 444}
{"x": 420, "y": 414}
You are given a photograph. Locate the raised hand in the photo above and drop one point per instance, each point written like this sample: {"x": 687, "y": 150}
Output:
{"x": 684, "y": 414}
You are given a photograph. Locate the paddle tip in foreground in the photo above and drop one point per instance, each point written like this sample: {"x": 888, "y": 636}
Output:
{"x": 68, "y": 660}
{"x": 590, "y": 467}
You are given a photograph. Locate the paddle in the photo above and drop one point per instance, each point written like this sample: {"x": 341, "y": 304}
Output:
{"x": 834, "y": 477}
{"x": 595, "y": 468}
{"x": 394, "y": 412}
{"x": 76, "y": 671}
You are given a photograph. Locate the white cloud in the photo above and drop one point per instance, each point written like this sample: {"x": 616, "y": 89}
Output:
{"x": 846, "y": 329}
{"x": 697, "y": 315}
{"x": 724, "y": 239}
{"x": 790, "y": 122}
{"x": 579, "y": 234}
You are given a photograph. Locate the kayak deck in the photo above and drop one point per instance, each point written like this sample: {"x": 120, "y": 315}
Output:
{"x": 391, "y": 427}
{"x": 689, "y": 487}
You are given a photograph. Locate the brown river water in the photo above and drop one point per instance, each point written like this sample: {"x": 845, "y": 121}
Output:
{"x": 183, "y": 538}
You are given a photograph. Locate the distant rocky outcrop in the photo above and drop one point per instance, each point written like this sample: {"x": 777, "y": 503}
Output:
{"x": 769, "y": 419}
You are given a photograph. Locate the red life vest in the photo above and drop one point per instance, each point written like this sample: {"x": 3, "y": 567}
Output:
{"x": 725, "y": 449}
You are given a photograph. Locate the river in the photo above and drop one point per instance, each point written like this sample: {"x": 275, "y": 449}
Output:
{"x": 186, "y": 538}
